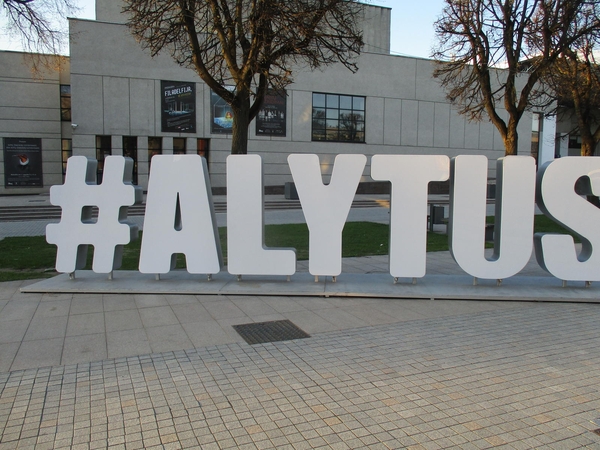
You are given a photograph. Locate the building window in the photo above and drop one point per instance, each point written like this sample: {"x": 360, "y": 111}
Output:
{"x": 103, "y": 149}
{"x": 179, "y": 146}
{"x": 130, "y": 151}
{"x": 338, "y": 118}
{"x": 154, "y": 148}
{"x": 65, "y": 102}
{"x": 202, "y": 148}
{"x": 66, "y": 151}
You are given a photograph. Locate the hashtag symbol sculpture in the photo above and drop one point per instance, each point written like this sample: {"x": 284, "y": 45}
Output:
{"x": 77, "y": 229}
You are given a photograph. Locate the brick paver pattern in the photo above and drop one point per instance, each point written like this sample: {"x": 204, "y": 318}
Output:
{"x": 512, "y": 378}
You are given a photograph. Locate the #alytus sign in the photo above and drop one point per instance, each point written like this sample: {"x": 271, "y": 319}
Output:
{"x": 180, "y": 216}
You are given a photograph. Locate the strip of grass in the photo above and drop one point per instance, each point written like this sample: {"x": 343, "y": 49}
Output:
{"x": 32, "y": 257}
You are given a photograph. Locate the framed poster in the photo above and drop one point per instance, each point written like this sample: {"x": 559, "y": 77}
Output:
{"x": 271, "y": 120}
{"x": 178, "y": 106}
{"x": 221, "y": 114}
{"x": 23, "y": 162}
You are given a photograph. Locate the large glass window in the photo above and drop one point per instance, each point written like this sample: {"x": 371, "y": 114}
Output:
{"x": 130, "y": 150}
{"x": 202, "y": 147}
{"x": 179, "y": 146}
{"x": 65, "y": 102}
{"x": 154, "y": 148}
{"x": 338, "y": 118}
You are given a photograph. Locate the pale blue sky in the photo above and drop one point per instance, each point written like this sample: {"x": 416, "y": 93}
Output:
{"x": 412, "y": 25}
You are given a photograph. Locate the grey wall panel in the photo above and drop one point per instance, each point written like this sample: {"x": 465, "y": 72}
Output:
{"x": 374, "y": 120}
{"x": 425, "y": 124}
{"x": 457, "y": 129}
{"x": 410, "y": 115}
{"x": 441, "y": 127}
{"x": 392, "y": 118}
{"x": 143, "y": 108}
{"x": 472, "y": 135}
{"x": 117, "y": 113}
{"x": 486, "y": 135}
{"x": 87, "y": 104}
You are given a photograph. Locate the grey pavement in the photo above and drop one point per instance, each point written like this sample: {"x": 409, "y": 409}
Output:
{"x": 169, "y": 371}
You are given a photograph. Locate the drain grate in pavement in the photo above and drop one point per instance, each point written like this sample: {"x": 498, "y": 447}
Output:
{"x": 275, "y": 331}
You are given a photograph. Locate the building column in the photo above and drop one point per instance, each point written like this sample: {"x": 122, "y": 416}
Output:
{"x": 190, "y": 146}
{"x": 547, "y": 140}
{"x": 167, "y": 145}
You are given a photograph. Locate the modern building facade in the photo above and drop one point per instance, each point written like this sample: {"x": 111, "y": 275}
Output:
{"x": 123, "y": 102}
{"x": 35, "y": 131}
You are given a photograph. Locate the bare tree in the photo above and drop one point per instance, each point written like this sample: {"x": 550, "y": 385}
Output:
{"x": 573, "y": 83}
{"x": 38, "y": 23}
{"x": 250, "y": 44}
{"x": 492, "y": 53}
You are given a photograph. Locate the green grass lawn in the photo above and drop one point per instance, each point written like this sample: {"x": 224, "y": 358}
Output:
{"x": 32, "y": 257}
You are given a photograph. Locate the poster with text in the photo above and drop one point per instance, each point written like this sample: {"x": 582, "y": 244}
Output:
{"x": 270, "y": 120}
{"x": 221, "y": 114}
{"x": 178, "y": 106}
{"x": 23, "y": 162}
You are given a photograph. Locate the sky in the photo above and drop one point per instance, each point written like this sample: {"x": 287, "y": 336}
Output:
{"x": 411, "y": 30}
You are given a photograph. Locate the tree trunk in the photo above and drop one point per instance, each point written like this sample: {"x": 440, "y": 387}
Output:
{"x": 588, "y": 140}
{"x": 511, "y": 140}
{"x": 588, "y": 144}
{"x": 241, "y": 126}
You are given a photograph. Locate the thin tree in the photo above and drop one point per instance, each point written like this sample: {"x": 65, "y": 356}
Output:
{"x": 252, "y": 45}
{"x": 492, "y": 53}
{"x": 38, "y": 24}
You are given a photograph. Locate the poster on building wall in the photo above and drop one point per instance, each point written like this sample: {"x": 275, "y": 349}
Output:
{"x": 270, "y": 120}
{"x": 221, "y": 114}
{"x": 23, "y": 162}
{"x": 178, "y": 106}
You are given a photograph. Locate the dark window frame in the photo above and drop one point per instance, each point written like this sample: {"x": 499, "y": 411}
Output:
{"x": 130, "y": 148}
{"x": 65, "y": 102}
{"x": 103, "y": 149}
{"x": 65, "y": 153}
{"x": 338, "y": 118}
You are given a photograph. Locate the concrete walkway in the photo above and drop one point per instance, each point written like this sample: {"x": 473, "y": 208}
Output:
{"x": 88, "y": 371}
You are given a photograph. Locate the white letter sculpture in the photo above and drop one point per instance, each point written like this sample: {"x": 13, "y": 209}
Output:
{"x": 180, "y": 217}
{"x": 326, "y": 207}
{"x": 515, "y": 203}
{"x": 77, "y": 229}
{"x": 557, "y": 199}
{"x": 246, "y": 252}
{"x": 410, "y": 175}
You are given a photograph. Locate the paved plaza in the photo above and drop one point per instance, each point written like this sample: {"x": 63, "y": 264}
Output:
{"x": 168, "y": 371}
{"x": 446, "y": 375}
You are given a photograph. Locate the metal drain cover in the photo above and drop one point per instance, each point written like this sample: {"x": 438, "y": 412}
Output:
{"x": 275, "y": 331}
